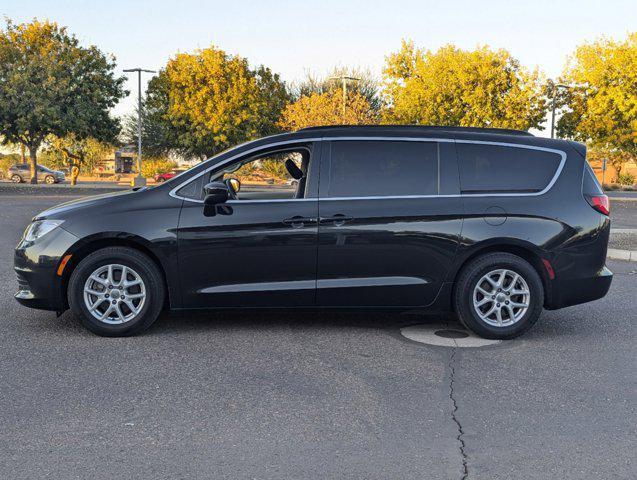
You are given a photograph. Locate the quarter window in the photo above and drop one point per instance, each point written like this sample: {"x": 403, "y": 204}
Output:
{"x": 494, "y": 168}
{"x": 383, "y": 168}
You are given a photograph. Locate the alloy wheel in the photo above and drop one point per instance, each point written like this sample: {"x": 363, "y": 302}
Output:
{"x": 114, "y": 294}
{"x": 501, "y": 298}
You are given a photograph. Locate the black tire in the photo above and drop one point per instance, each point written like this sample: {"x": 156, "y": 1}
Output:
{"x": 474, "y": 272}
{"x": 15, "y": 178}
{"x": 49, "y": 180}
{"x": 161, "y": 180}
{"x": 131, "y": 258}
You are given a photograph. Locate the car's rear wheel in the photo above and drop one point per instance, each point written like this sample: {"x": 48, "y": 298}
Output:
{"x": 116, "y": 291}
{"x": 15, "y": 178}
{"x": 49, "y": 179}
{"x": 499, "y": 295}
{"x": 161, "y": 180}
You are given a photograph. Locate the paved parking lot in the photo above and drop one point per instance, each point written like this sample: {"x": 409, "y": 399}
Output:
{"x": 313, "y": 396}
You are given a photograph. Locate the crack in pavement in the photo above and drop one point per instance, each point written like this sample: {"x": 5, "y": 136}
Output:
{"x": 462, "y": 445}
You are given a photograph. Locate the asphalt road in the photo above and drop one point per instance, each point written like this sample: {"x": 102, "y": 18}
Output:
{"x": 623, "y": 214}
{"x": 255, "y": 396}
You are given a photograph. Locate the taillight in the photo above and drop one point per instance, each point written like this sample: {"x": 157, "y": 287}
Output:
{"x": 599, "y": 203}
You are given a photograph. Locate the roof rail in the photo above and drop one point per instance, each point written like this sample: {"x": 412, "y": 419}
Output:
{"x": 424, "y": 128}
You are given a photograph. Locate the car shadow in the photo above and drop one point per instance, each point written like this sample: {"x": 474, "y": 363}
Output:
{"x": 254, "y": 320}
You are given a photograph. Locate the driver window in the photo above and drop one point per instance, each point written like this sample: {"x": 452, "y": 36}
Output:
{"x": 276, "y": 175}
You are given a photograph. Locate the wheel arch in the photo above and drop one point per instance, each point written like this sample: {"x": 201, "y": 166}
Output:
{"x": 91, "y": 244}
{"x": 522, "y": 249}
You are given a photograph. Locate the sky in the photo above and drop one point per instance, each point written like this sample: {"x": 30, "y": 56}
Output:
{"x": 297, "y": 37}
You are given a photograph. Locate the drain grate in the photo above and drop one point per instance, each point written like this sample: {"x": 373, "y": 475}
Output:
{"x": 451, "y": 334}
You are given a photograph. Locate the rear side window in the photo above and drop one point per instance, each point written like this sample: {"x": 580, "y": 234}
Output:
{"x": 383, "y": 168}
{"x": 590, "y": 185}
{"x": 494, "y": 168}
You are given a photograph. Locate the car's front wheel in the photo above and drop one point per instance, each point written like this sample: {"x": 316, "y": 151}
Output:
{"x": 49, "y": 179}
{"x": 499, "y": 295}
{"x": 116, "y": 291}
{"x": 15, "y": 178}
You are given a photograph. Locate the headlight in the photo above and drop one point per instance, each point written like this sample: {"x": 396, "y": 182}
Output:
{"x": 39, "y": 228}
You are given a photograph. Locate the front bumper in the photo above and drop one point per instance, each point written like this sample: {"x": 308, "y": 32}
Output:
{"x": 36, "y": 264}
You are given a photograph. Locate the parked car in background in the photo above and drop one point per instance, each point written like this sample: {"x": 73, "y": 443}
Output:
{"x": 162, "y": 177}
{"x": 21, "y": 172}
{"x": 495, "y": 225}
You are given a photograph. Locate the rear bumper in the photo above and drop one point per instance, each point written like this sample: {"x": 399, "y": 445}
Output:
{"x": 581, "y": 290}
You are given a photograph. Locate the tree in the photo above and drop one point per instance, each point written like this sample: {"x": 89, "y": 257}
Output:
{"x": 206, "y": 102}
{"x": 326, "y": 109}
{"x": 479, "y": 88}
{"x": 49, "y": 85}
{"x": 71, "y": 151}
{"x": 366, "y": 85}
{"x": 602, "y": 102}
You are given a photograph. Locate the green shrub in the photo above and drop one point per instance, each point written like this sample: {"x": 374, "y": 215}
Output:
{"x": 274, "y": 168}
{"x": 625, "y": 179}
{"x": 153, "y": 166}
{"x": 5, "y": 163}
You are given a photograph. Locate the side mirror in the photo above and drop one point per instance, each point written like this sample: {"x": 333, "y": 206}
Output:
{"x": 216, "y": 193}
{"x": 234, "y": 183}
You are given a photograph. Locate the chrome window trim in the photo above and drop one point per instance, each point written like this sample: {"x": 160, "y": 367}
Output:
{"x": 557, "y": 174}
{"x": 273, "y": 200}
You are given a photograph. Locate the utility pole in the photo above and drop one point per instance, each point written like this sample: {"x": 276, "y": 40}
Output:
{"x": 139, "y": 181}
{"x": 343, "y": 78}
{"x": 556, "y": 87}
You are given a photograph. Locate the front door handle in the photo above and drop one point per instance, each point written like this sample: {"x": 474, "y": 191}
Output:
{"x": 298, "y": 221}
{"x": 337, "y": 220}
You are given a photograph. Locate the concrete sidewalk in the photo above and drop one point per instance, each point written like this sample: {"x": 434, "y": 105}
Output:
{"x": 623, "y": 244}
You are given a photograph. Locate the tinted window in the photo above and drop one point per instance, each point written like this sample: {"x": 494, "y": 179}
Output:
{"x": 491, "y": 168}
{"x": 386, "y": 168}
{"x": 192, "y": 189}
{"x": 590, "y": 185}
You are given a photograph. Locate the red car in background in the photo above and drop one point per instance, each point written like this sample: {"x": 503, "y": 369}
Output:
{"x": 162, "y": 177}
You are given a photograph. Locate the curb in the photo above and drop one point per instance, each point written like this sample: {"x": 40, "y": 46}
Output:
{"x": 626, "y": 255}
{"x": 623, "y": 199}
{"x": 66, "y": 190}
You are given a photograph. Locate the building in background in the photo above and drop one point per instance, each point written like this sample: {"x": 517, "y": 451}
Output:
{"x": 122, "y": 162}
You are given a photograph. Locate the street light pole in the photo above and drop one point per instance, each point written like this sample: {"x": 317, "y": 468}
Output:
{"x": 344, "y": 79}
{"x": 556, "y": 87}
{"x": 139, "y": 180}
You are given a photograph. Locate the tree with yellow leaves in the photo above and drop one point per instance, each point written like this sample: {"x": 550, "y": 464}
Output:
{"x": 326, "y": 109}
{"x": 207, "y": 101}
{"x": 602, "y": 100}
{"x": 478, "y": 88}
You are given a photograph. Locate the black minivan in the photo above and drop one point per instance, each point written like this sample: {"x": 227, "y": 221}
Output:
{"x": 492, "y": 224}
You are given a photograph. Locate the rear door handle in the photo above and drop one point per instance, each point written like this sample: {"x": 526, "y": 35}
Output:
{"x": 298, "y": 221}
{"x": 337, "y": 220}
